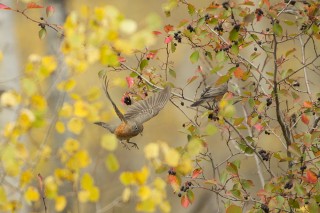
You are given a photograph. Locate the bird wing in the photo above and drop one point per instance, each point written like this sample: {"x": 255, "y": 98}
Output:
{"x": 212, "y": 92}
{"x": 144, "y": 110}
{"x": 105, "y": 88}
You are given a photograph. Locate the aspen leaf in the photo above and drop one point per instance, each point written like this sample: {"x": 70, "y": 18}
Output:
{"x": 83, "y": 196}
{"x": 60, "y": 203}
{"x": 60, "y": 127}
{"x": 75, "y": 125}
{"x": 81, "y": 109}
{"x": 151, "y": 151}
{"x": 39, "y": 102}
{"x": 127, "y": 178}
{"x": 141, "y": 176}
{"x": 71, "y": 145}
{"x": 3, "y": 195}
{"x": 126, "y": 194}
{"x": 10, "y": 99}
{"x": 144, "y": 192}
{"x": 172, "y": 157}
{"x": 112, "y": 163}
{"x": 128, "y": 26}
{"x": 234, "y": 209}
{"x": 109, "y": 142}
{"x": 94, "y": 194}
{"x": 25, "y": 178}
{"x": 31, "y": 194}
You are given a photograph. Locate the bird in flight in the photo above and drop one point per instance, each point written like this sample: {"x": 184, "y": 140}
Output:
{"x": 211, "y": 94}
{"x": 138, "y": 113}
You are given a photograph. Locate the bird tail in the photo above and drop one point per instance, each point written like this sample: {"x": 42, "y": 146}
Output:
{"x": 197, "y": 103}
{"x": 111, "y": 128}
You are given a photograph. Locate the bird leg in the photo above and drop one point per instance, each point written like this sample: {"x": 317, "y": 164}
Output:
{"x": 125, "y": 145}
{"x": 133, "y": 144}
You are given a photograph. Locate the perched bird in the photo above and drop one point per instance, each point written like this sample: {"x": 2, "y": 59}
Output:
{"x": 211, "y": 94}
{"x": 138, "y": 113}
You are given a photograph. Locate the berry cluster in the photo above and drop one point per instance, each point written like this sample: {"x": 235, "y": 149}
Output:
{"x": 265, "y": 208}
{"x": 266, "y": 132}
{"x": 184, "y": 188}
{"x": 190, "y": 28}
{"x": 172, "y": 172}
{"x": 269, "y": 101}
{"x": 177, "y": 36}
{"x": 218, "y": 28}
{"x": 259, "y": 12}
{"x": 225, "y": 5}
{"x": 288, "y": 185}
{"x": 206, "y": 17}
{"x": 265, "y": 155}
{"x": 212, "y": 117}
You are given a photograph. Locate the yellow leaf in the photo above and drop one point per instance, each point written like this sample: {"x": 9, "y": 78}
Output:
{"x": 3, "y": 195}
{"x": 86, "y": 181}
{"x": 172, "y": 157}
{"x": 126, "y": 194}
{"x": 29, "y": 86}
{"x": 67, "y": 85}
{"x": 22, "y": 152}
{"x": 49, "y": 64}
{"x": 1, "y": 55}
{"x": 194, "y": 146}
{"x": 94, "y": 194}
{"x": 9, "y": 160}
{"x": 31, "y": 194}
{"x": 46, "y": 152}
{"x": 26, "y": 118}
{"x": 25, "y": 178}
{"x": 159, "y": 184}
{"x": 144, "y": 192}
{"x": 151, "y": 151}
{"x": 61, "y": 203}
{"x": 81, "y": 108}
{"x": 83, "y": 196}
{"x": 165, "y": 206}
{"x": 10, "y": 99}
{"x": 127, "y": 178}
{"x": 60, "y": 127}
{"x": 146, "y": 206}
{"x": 112, "y": 163}
{"x": 65, "y": 174}
{"x": 71, "y": 145}
{"x": 128, "y": 26}
{"x": 109, "y": 142}
{"x": 39, "y": 102}
{"x": 79, "y": 160}
{"x": 141, "y": 176}
{"x": 51, "y": 187}
{"x": 75, "y": 125}
{"x": 93, "y": 93}
{"x": 66, "y": 110}
{"x": 185, "y": 166}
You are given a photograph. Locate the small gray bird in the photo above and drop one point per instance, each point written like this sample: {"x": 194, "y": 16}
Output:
{"x": 211, "y": 94}
{"x": 138, "y": 113}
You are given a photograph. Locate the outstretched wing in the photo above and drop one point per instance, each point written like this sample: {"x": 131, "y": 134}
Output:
{"x": 105, "y": 88}
{"x": 144, "y": 110}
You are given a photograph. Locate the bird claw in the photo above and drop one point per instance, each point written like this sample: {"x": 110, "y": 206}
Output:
{"x": 133, "y": 144}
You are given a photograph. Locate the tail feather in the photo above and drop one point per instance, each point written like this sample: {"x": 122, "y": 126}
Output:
{"x": 197, "y": 103}
{"x": 106, "y": 126}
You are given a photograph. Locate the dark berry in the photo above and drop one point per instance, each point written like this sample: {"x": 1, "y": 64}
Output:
{"x": 237, "y": 64}
{"x": 225, "y": 5}
{"x": 267, "y": 29}
{"x": 255, "y": 49}
{"x": 182, "y": 188}
{"x": 127, "y": 100}
{"x": 207, "y": 17}
{"x": 265, "y": 208}
{"x": 302, "y": 168}
{"x": 189, "y": 183}
{"x": 259, "y": 42}
{"x": 182, "y": 103}
{"x": 296, "y": 84}
{"x": 41, "y": 18}
{"x": 179, "y": 194}
{"x": 269, "y": 101}
{"x": 210, "y": 116}
{"x": 259, "y": 116}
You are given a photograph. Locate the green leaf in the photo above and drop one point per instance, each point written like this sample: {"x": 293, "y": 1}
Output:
{"x": 194, "y": 57}
{"x": 234, "y": 35}
{"x": 190, "y": 196}
{"x": 223, "y": 177}
{"x": 191, "y": 9}
{"x": 173, "y": 47}
{"x": 143, "y": 64}
{"x": 249, "y": 18}
{"x": 172, "y": 73}
{"x": 211, "y": 129}
{"x": 42, "y": 33}
{"x": 232, "y": 169}
{"x": 234, "y": 209}
{"x": 234, "y": 49}
{"x": 221, "y": 56}
{"x": 277, "y": 29}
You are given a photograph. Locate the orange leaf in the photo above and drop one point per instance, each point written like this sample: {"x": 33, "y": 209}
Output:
{"x": 185, "y": 201}
{"x": 305, "y": 119}
{"x": 196, "y": 173}
{"x": 4, "y": 7}
{"x": 168, "y": 28}
{"x": 130, "y": 81}
{"x": 239, "y": 73}
{"x": 31, "y": 5}
{"x": 156, "y": 33}
{"x": 307, "y": 104}
{"x": 311, "y": 176}
{"x": 267, "y": 3}
{"x": 174, "y": 182}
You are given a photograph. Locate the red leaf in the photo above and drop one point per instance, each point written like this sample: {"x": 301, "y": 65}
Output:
{"x": 168, "y": 28}
{"x": 239, "y": 73}
{"x": 267, "y": 3}
{"x": 305, "y": 119}
{"x": 258, "y": 127}
{"x": 307, "y": 104}
{"x": 121, "y": 59}
{"x": 151, "y": 55}
{"x": 168, "y": 40}
{"x": 31, "y": 5}
{"x": 311, "y": 176}
{"x": 196, "y": 173}
{"x": 185, "y": 201}
{"x": 130, "y": 81}
{"x": 156, "y": 33}
{"x": 50, "y": 10}
{"x": 4, "y": 7}
{"x": 259, "y": 17}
